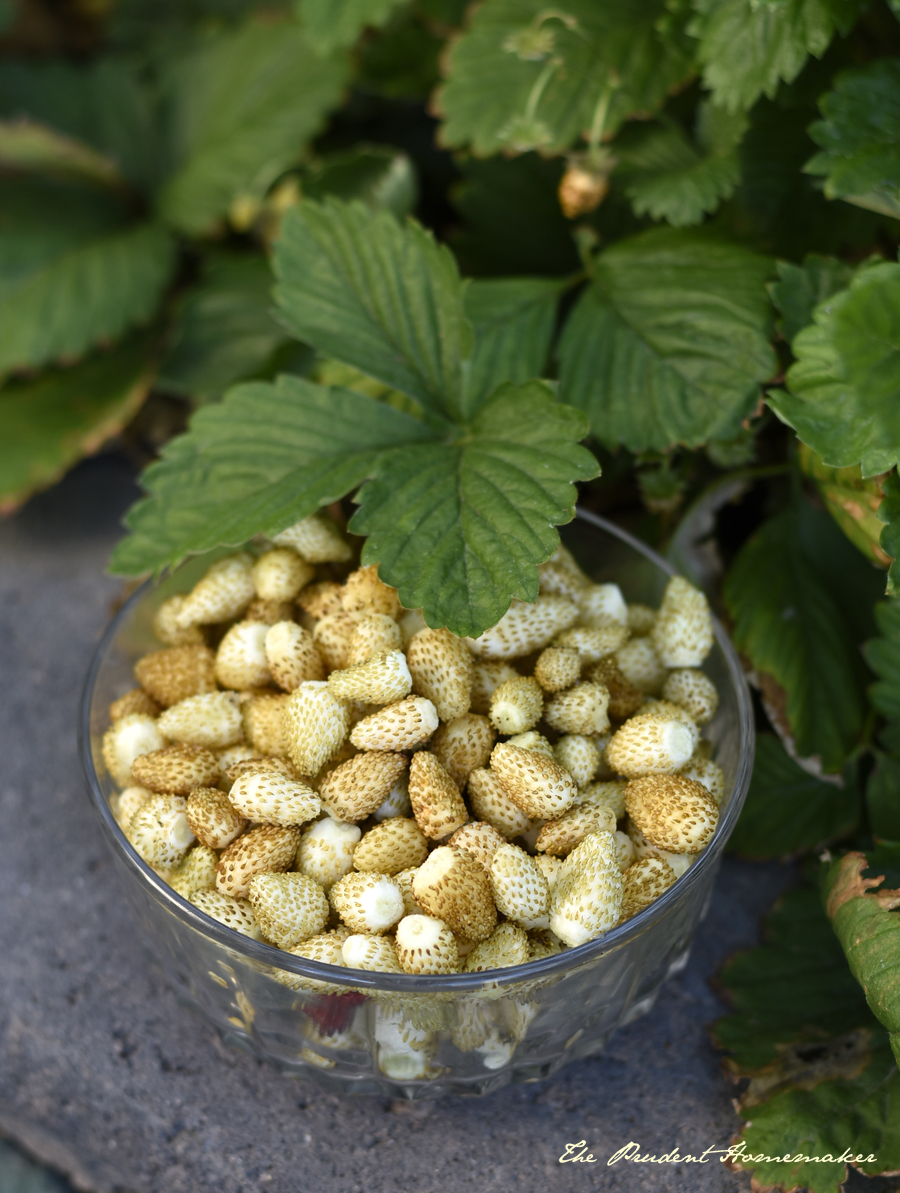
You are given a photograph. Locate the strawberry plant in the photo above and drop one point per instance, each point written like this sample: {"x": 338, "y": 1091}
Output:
{"x": 449, "y": 268}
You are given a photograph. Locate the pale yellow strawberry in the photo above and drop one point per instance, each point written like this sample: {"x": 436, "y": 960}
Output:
{"x": 579, "y": 755}
{"x": 263, "y": 723}
{"x": 506, "y": 946}
{"x": 213, "y": 818}
{"x": 410, "y": 622}
{"x": 292, "y": 656}
{"x": 269, "y": 612}
{"x": 644, "y": 882}
{"x": 401, "y": 726}
{"x": 526, "y": 627}
{"x": 316, "y": 539}
{"x": 160, "y": 832}
{"x": 315, "y": 725}
{"x": 694, "y": 691}
{"x": 480, "y": 839}
{"x": 367, "y": 902}
{"x": 167, "y": 628}
{"x": 288, "y": 907}
{"x": 365, "y": 593}
{"x": 559, "y": 837}
{"x": 223, "y": 594}
{"x": 521, "y": 891}
{"x": 562, "y": 576}
{"x": 396, "y": 802}
{"x": 404, "y": 881}
{"x": 373, "y": 633}
{"x": 624, "y": 850}
{"x": 332, "y": 635}
{"x": 640, "y": 664}
{"x": 441, "y": 667}
{"x": 640, "y": 620}
{"x": 426, "y": 945}
{"x": 212, "y": 719}
{"x": 195, "y": 872}
{"x": 648, "y": 745}
{"x": 587, "y": 898}
{"x": 279, "y": 574}
{"x": 126, "y": 803}
{"x": 176, "y": 770}
{"x": 404, "y": 1050}
{"x": 673, "y": 812}
{"x": 680, "y": 862}
{"x": 376, "y": 954}
{"x": 233, "y": 913}
{"x": 383, "y": 678}
{"x": 172, "y": 675}
{"x": 436, "y": 803}
{"x": 602, "y": 604}
{"x": 268, "y": 849}
{"x": 593, "y": 643}
{"x": 536, "y": 784}
{"x": 321, "y": 599}
{"x": 532, "y": 740}
{"x": 543, "y": 943}
{"x": 269, "y": 798}
{"x": 582, "y": 709}
{"x": 486, "y": 678}
{"x": 491, "y": 804}
{"x": 517, "y": 704}
{"x": 254, "y": 765}
{"x": 624, "y": 698}
{"x": 326, "y": 849}
{"x": 135, "y": 702}
{"x": 327, "y": 949}
{"x": 126, "y": 740}
{"x": 550, "y": 867}
{"x": 241, "y": 658}
{"x": 452, "y": 886}
{"x": 707, "y": 773}
{"x": 558, "y": 668}
{"x": 682, "y": 634}
{"x": 463, "y": 745}
{"x": 608, "y": 793}
{"x": 353, "y": 790}
{"x": 394, "y": 845}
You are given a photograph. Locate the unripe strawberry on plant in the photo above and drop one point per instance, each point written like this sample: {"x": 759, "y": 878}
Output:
{"x": 579, "y": 755}
{"x": 241, "y": 658}
{"x": 269, "y": 798}
{"x": 176, "y": 770}
{"x": 172, "y": 675}
{"x": 521, "y": 891}
{"x": 394, "y": 845}
{"x": 233, "y": 913}
{"x": 648, "y": 745}
{"x": 582, "y": 709}
{"x": 525, "y": 627}
{"x": 558, "y": 668}
{"x": 682, "y": 634}
{"x": 694, "y": 691}
{"x": 223, "y": 594}
{"x": 353, "y": 790}
{"x": 373, "y": 633}
{"x": 315, "y": 539}
{"x": 383, "y": 678}
{"x": 292, "y": 656}
{"x": 213, "y": 818}
{"x": 268, "y": 849}
{"x": 426, "y": 945}
{"x": 160, "y": 832}
{"x": 367, "y": 902}
{"x": 587, "y": 899}
{"x": 377, "y": 954}
{"x": 491, "y": 804}
{"x": 212, "y": 719}
{"x": 400, "y": 726}
{"x": 279, "y": 574}
{"x": 673, "y": 812}
{"x": 436, "y": 803}
{"x": 315, "y": 725}
{"x": 326, "y": 850}
{"x": 487, "y": 676}
{"x": 452, "y": 886}
{"x": 536, "y": 784}
{"x": 516, "y": 705}
{"x": 441, "y": 667}
{"x": 507, "y": 945}
{"x": 288, "y": 907}
{"x": 463, "y": 745}
{"x": 127, "y": 740}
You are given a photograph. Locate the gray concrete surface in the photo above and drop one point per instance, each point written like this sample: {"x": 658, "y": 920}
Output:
{"x": 105, "y": 1078}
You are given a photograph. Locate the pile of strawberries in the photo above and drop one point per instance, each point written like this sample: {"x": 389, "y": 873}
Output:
{"x": 310, "y": 764}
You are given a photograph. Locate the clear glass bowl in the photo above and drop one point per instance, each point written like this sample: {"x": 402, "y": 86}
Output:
{"x": 421, "y": 1037}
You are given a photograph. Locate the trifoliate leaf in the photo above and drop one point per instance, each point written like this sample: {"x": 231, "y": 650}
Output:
{"x": 380, "y": 177}
{"x": 334, "y": 23}
{"x": 224, "y": 331}
{"x": 747, "y": 48}
{"x": 822, "y": 1079}
{"x": 788, "y": 809}
{"x": 843, "y": 392}
{"x": 855, "y": 502}
{"x": 795, "y": 592}
{"x": 48, "y": 424}
{"x": 889, "y": 514}
{"x": 266, "y": 456}
{"x": 73, "y": 271}
{"x": 800, "y": 289}
{"x": 670, "y": 341}
{"x": 378, "y": 295}
{"x": 669, "y": 177}
{"x": 860, "y": 137}
{"x": 883, "y": 797}
{"x": 524, "y": 76}
{"x": 241, "y": 109}
{"x": 460, "y": 527}
{"x": 513, "y": 320}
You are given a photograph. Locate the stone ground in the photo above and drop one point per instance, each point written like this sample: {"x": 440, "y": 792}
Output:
{"x": 106, "y": 1079}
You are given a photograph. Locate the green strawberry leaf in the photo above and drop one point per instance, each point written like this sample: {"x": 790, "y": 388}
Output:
{"x": 332, "y": 24}
{"x": 27, "y": 145}
{"x": 48, "y": 424}
{"x": 224, "y": 330}
{"x": 889, "y": 513}
{"x": 73, "y": 271}
{"x": 242, "y": 106}
{"x": 524, "y": 76}
{"x": 796, "y": 592}
{"x": 378, "y": 295}
{"x": 380, "y": 177}
{"x": 882, "y": 799}
{"x": 860, "y": 138}
{"x": 788, "y": 809}
{"x": 883, "y": 656}
{"x": 747, "y": 48}
{"x": 266, "y": 456}
{"x": 460, "y": 527}
{"x": 513, "y": 320}
{"x": 670, "y": 341}
{"x": 671, "y": 177}
{"x": 800, "y": 289}
{"x": 842, "y": 396}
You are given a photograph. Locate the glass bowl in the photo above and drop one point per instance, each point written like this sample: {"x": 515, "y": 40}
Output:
{"x": 417, "y": 1036}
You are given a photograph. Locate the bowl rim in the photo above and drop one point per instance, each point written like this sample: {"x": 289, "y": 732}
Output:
{"x": 269, "y": 956}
